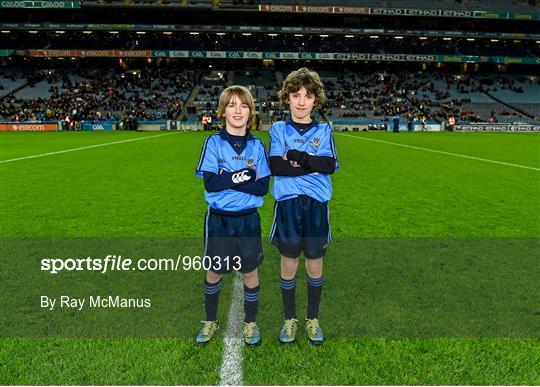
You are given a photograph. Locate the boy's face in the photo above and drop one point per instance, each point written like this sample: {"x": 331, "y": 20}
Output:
{"x": 236, "y": 113}
{"x": 301, "y": 103}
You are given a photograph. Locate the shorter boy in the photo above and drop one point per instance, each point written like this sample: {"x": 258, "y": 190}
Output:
{"x": 236, "y": 176}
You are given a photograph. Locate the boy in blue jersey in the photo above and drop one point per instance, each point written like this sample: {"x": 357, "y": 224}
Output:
{"x": 234, "y": 166}
{"x": 302, "y": 158}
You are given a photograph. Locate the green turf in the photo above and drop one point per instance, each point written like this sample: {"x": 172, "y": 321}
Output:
{"x": 124, "y": 189}
{"x": 108, "y": 362}
{"x": 394, "y": 312}
{"x": 493, "y": 146}
{"x": 396, "y": 362}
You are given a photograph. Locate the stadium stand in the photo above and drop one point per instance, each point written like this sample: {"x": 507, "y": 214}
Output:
{"x": 358, "y": 95}
{"x": 205, "y": 96}
{"x": 95, "y": 94}
{"x": 519, "y": 92}
{"x": 11, "y": 80}
{"x": 437, "y": 96}
{"x": 130, "y": 40}
{"x": 157, "y": 85}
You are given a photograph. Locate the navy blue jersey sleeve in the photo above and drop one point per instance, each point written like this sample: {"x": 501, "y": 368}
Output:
{"x": 321, "y": 164}
{"x": 328, "y": 148}
{"x": 226, "y": 180}
{"x": 281, "y": 167}
{"x": 258, "y": 187}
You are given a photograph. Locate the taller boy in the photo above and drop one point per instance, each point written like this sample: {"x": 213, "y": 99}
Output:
{"x": 302, "y": 158}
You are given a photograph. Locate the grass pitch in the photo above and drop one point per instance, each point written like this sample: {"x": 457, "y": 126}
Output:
{"x": 432, "y": 278}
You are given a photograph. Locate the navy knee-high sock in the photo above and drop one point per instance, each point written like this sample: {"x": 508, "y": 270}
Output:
{"x": 314, "y": 291}
{"x": 211, "y": 298}
{"x": 288, "y": 294}
{"x": 251, "y": 303}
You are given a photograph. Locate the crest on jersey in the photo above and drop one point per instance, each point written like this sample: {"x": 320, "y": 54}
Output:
{"x": 315, "y": 142}
{"x": 250, "y": 163}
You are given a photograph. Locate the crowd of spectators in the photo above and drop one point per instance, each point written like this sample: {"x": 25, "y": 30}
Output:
{"x": 160, "y": 93}
{"x": 421, "y": 95}
{"x": 100, "y": 95}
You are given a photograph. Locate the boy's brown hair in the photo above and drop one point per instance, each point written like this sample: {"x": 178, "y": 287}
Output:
{"x": 303, "y": 77}
{"x": 243, "y": 94}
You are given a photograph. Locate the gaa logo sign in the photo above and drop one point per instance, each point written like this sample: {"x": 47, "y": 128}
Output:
{"x": 98, "y": 127}
{"x": 271, "y": 55}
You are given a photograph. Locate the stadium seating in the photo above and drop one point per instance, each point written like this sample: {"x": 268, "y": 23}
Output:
{"x": 11, "y": 80}
{"x": 376, "y": 96}
{"x": 351, "y": 95}
{"x": 96, "y": 94}
{"x": 520, "y": 92}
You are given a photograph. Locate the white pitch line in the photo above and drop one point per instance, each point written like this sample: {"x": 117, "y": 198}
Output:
{"x": 444, "y": 153}
{"x": 84, "y": 147}
{"x": 231, "y": 367}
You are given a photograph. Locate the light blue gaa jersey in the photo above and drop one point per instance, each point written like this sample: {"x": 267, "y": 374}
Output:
{"x": 317, "y": 140}
{"x": 217, "y": 154}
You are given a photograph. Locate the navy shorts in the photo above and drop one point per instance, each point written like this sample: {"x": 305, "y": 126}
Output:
{"x": 232, "y": 242}
{"x": 301, "y": 224}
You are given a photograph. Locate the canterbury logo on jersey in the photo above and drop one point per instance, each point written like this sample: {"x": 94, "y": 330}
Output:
{"x": 240, "y": 177}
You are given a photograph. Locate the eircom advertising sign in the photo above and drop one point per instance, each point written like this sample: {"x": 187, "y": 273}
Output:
{"x": 96, "y": 126}
{"x": 28, "y": 127}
